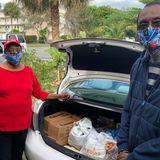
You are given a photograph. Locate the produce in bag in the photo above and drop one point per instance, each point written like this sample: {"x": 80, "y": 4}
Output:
{"x": 79, "y": 133}
{"x": 95, "y": 146}
{"x": 111, "y": 150}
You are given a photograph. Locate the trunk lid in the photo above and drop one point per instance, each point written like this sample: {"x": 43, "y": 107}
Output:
{"x": 100, "y": 62}
{"x": 99, "y": 54}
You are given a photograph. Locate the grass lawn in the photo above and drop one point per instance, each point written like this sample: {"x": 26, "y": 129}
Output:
{"x": 37, "y": 45}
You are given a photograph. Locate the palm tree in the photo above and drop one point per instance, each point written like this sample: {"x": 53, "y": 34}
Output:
{"x": 148, "y": 1}
{"x": 115, "y": 31}
{"x": 12, "y": 10}
{"x": 53, "y": 6}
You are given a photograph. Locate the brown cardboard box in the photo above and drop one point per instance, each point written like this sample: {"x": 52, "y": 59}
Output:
{"x": 59, "y": 125}
{"x": 54, "y": 117}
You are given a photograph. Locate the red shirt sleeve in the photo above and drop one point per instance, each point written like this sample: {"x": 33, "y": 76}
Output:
{"x": 37, "y": 91}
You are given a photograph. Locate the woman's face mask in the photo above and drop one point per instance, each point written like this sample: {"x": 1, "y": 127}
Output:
{"x": 149, "y": 37}
{"x": 14, "y": 59}
{"x": 13, "y": 55}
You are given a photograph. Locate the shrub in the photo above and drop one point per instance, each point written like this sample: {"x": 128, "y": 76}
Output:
{"x": 31, "y": 38}
{"x": 58, "y": 61}
{"x": 15, "y": 31}
{"x": 44, "y": 70}
{"x": 66, "y": 36}
{"x": 42, "y": 35}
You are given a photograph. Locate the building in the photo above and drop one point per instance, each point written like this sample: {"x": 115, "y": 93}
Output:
{"x": 7, "y": 24}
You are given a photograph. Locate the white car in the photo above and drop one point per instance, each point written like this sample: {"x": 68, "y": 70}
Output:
{"x": 19, "y": 37}
{"x": 97, "y": 77}
{"x": 2, "y": 59}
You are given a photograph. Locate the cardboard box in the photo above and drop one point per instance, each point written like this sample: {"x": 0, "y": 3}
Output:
{"x": 54, "y": 117}
{"x": 58, "y": 126}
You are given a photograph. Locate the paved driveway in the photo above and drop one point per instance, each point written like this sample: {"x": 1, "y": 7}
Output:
{"x": 41, "y": 52}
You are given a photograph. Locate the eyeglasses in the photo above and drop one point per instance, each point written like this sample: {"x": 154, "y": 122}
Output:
{"x": 145, "y": 24}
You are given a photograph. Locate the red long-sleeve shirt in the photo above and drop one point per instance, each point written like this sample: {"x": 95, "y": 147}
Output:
{"x": 16, "y": 90}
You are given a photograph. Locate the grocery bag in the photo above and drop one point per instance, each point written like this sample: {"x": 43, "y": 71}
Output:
{"x": 79, "y": 133}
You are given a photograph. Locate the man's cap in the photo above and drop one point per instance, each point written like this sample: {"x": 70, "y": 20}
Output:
{"x": 11, "y": 41}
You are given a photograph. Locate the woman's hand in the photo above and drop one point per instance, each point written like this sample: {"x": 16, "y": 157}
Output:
{"x": 63, "y": 96}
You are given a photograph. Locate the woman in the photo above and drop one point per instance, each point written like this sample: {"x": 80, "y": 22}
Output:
{"x": 17, "y": 85}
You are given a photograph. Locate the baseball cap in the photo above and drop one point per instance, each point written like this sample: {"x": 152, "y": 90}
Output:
{"x": 10, "y": 41}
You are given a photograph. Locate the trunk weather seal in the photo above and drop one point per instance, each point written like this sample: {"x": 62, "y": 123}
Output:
{"x": 109, "y": 107}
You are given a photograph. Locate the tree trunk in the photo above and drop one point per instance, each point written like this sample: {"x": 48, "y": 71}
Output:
{"x": 55, "y": 19}
{"x": 11, "y": 25}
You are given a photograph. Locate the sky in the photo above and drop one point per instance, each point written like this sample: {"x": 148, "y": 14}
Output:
{"x": 113, "y": 3}
{"x": 4, "y": 1}
{"x": 119, "y": 3}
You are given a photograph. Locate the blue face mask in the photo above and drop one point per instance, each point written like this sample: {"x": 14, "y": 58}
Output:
{"x": 13, "y": 59}
{"x": 150, "y": 38}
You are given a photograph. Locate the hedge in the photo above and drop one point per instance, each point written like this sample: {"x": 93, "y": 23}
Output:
{"x": 31, "y": 38}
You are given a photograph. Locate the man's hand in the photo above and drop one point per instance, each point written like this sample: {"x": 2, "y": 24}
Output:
{"x": 123, "y": 155}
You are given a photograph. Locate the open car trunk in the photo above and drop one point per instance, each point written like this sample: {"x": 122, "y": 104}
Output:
{"x": 79, "y": 109}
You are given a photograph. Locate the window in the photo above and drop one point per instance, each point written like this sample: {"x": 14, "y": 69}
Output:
{"x": 21, "y": 38}
{"x": 103, "y": 91}
{"x": 12, "y": 36}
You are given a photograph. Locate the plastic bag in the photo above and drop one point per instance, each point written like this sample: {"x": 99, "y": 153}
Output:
{"x": 100, "y": 146}
{"x": 112, "y": 153}
{"x": 79, "y": 133}
{"x": 111, "y": 148}
{"x": 95, "y": 146}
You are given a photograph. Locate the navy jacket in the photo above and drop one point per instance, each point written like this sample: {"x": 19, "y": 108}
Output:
{"x": 140, "y": 123}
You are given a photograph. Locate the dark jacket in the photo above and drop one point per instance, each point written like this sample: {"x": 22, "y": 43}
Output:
{"x": 140, "y": 123}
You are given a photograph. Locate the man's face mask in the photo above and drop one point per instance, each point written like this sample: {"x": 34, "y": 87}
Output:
{"x": 149, "y": 37}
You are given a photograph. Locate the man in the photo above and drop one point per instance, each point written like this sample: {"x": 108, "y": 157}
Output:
{"x": 139, "y": 136}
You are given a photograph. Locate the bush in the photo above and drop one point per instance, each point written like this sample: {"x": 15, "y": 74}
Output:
{"x": 31, "y": 38}
{"x": 42, "y": 35}
{"x": 15, "y": 31}
{"x": 44, "y": 70}
{"x": 66, "y": 36}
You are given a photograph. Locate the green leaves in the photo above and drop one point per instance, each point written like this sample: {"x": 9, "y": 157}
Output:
{"x": 148, "y": 1}
{"x": 11, "y": 9}
{"x": 47, "y": 72}
{"x": 107, "y": 22}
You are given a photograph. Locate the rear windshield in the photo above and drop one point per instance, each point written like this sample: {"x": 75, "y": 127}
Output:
{"x": 12, "y": 36}
{"x": 21, "y": 38}
{"x": 98, "y": 57}
{"x": 102, "y": 91}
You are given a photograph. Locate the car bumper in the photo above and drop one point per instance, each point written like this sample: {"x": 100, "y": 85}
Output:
{"x": 36, "y": 149}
